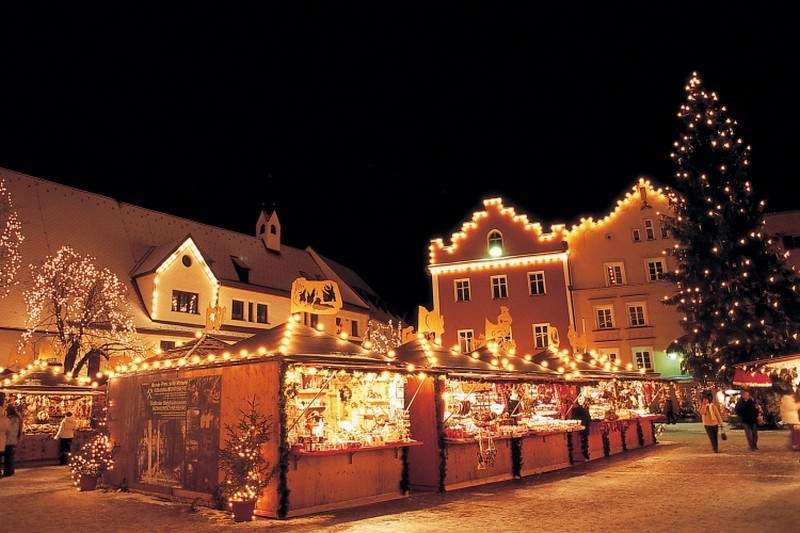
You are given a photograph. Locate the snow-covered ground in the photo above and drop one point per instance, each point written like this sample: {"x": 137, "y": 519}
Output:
{"x": 677, "y": 486}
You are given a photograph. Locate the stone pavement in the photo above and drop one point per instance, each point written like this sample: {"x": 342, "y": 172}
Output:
{"x": 676, "y": 486}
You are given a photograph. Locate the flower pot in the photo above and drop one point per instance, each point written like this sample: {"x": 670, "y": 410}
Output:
{"x": 87, "y": 482}
{"x": 243, "y": 511}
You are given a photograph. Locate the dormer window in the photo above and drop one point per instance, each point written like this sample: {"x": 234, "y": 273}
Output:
{"x": 495, "y": 243}
{"x": 272, "y": 229}
{"x": 262, "y": 229}
{"x": 241, "y": 268}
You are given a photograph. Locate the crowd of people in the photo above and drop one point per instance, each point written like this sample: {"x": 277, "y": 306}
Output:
{"x": 750, "y": 415}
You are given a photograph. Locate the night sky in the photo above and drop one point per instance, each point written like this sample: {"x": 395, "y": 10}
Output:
{"x": 373, "y": 131}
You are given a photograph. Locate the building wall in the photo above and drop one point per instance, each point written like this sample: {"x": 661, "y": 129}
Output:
{"x": 526, "y": 248}
{"x": 590, "y": 245}
{"x": 123, "y": 238}
{"x": 593, "y": 245}
{"x": 525, "y": 309}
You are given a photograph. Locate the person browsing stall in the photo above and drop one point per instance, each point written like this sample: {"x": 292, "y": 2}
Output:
{"x": 66, "y": 432}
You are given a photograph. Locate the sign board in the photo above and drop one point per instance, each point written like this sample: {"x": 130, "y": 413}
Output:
{"x": 319, "y": 297}
{"x": 167, "y": 400}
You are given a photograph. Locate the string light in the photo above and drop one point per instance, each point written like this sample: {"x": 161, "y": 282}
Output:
{"x": 11, "y": 239}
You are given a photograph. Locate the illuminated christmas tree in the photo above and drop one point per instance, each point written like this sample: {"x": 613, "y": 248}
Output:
{"x": 84, "y": 306}
{"x": 247, "y": 472}
{"x": 737, "y": 297}
{"x": 10, "y": 240}
{"x": 93, "y": 459}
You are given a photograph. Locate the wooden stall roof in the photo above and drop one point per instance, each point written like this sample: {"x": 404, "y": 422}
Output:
{"x": 425, "y": 355}
{"x": 50, "y": 380}
{"x": 484, "y": 363}
{"x": 772, "y": 363}
{"x": 297, "y": 339}
{"x": 202, "y": 346}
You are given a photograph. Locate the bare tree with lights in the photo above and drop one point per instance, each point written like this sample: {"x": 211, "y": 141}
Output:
{"x": 737, "y": 297}
{"x": 83, "y": 306}
{"x": 10, "y": 241}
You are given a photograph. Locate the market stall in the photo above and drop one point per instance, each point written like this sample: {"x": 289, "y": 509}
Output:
{"x": 43, "y": 395}
{"x": 340, "y": 434}
{"x": 621, "y": 419}
{"x": 484, "y": 416}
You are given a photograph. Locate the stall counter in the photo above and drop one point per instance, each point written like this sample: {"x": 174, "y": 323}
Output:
{"x": 335, "y": 479}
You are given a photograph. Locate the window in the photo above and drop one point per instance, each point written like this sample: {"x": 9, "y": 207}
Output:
{"x": 644, "y": 358}
{"x": 465, "y": 337}
{"x": 250, "y": 316}
{"x": 615, "y": 274}
{"x": 536, "y": 283}
{"x": 655, "y": 269}
{"x": 462, "y": 290}
{"x": 186, "y": 260}
{"x": 241, "y": 268}
{"x": 237, "y": 310}
{"x": 167, "y": 345}
{"x": 262, "y": 229}
{"x": 261, "y": 313}
{"x": 499, "y": 287}
{"x": 605, "y": 316}
{"x": 313, "y": 319}
{"x": 649, "y": 230}
{"x": 184, "y": 302}
{"x": 272, "y": 229}
{"x": 495, "y": 243}
{"x": 541, "y": 335}
{"x": 636, "y": 235}
{"x": 354, "y": 328}
{"x": 664, "y": 232}
{"x": 636, "y": 315}
{"x": 611, "y": 353}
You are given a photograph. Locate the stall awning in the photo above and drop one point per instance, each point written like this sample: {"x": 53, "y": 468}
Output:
{"x": 773, "y": 363}
{"x": 743, "y": 378}
{"x": 293, "y": 339}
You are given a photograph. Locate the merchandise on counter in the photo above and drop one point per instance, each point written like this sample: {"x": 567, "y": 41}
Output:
{"x": 477, "y": 410}
{"x": 344, "y": 409}
{"x": 616, "y": 400}
{"x": 42, "y": 413}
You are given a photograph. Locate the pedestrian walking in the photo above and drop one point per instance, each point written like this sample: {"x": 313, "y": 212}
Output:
{"x": 669, "y": 410}
{"x": 13, "y": 434}
{"x": 66, "y": 431}
{"x": 791, "y": 419}
{"x": 712, "y": 420}
{"x": 4, "y": 423}
{"x": 747, "y": 409}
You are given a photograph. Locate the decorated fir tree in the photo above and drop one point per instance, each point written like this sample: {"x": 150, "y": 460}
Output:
{"x": 737, "y": 298}
{"x": 247, "y": 472}
{"x": 92, "y": 461}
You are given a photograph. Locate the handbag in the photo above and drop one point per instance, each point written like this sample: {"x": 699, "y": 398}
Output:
{"x": 723, "y": 435}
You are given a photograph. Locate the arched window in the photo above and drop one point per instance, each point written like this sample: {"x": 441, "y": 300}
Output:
{"x": 273, "y": 229}
{"x": 495, "y": 243}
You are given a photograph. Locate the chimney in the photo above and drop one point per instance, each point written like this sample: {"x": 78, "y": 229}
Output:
{"x": 268, "y": 229}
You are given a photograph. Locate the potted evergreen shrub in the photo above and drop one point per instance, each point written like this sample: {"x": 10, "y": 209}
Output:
{"x": 247, "y": 473}
{"x": 91, "y": 462}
